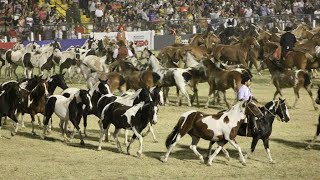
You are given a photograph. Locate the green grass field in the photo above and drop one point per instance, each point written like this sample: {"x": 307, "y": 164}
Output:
{"x": 25, "y": 156}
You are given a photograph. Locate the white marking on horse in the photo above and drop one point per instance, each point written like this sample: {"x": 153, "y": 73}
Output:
{"x": 185, "y": 115}
{"x": 132, "y": 111}
{"x": 2, "y": 92}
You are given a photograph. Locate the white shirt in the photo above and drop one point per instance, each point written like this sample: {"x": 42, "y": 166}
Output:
{"x": 99, "y": 13}
{"x": 115, "y": 53}
{"x": 244, "y": 93}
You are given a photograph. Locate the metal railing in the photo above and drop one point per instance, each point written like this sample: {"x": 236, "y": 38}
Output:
{"x": 163, "y": 27}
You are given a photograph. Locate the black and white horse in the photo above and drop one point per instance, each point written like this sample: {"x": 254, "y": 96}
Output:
{"x": 134, "y": 117}
{"x": 10, "y": 99}
{"x": 68, "y": 109}
{"x": 170, "y": 76}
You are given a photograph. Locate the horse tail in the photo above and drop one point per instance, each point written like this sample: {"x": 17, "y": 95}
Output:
{"x": 183, "y": 126}
{"x": 49, "y": 109}
{"x": 307, "y": 79}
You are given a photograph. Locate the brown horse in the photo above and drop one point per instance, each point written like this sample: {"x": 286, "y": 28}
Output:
{"x": 282, "y": 78}
{"x": 207, "y": 39}
{"x": 221, "y": 80}
{"x": 221, "y": 128}
{"x": 237, "y": 54}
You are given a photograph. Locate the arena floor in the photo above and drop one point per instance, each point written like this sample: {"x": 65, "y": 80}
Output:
{"x": 25, "y": 156}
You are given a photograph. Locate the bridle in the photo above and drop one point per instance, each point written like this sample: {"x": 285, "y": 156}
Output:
{"x": 278, "y": 103}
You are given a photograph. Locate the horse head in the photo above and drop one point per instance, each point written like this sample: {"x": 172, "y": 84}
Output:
{"x": 59, "y": 80}
{"x": 282, "y": 110}
{"x": 151, "y": 112}
{"x": 85, "y": 99}
{"x": 103, "y": 87}
{"x": 157, "y": 95}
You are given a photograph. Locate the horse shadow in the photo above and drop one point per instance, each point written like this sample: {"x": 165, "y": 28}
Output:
{"x": 294, "y": 144}
{"x": 38, "y": 137}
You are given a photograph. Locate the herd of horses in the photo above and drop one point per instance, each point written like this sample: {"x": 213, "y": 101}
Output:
{"x": 145, "y": 86}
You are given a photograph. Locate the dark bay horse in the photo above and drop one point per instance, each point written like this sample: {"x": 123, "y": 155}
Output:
{"x": 295, "y": 79}
{"x": 221, "y": 128}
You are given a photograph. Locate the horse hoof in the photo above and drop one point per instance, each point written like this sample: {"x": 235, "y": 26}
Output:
{"x": 13, "y": 133}
{"x": 201, "y": 160}
{"x": 162, "y": 159}
{"x": 34, "y": 133}
{"x": 209, "y": 164}
{"x": 99, "y": 148}
{"x": 81, "y": 143}
{"x": 308, "y": 147}
{"x": 244, "y": 163}
{"x": 139, "y": 154}
{"x": 272, "y": 162}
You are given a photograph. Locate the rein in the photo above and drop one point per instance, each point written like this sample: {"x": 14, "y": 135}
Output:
{"x": 274, "y": 114}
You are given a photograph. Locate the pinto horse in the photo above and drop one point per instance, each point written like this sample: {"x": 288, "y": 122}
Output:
{"x": 10, "y": 98}
{"x": 221, "y": 128}
{"x": 282, "y": 78}
{"x": 271, "y": 110}
{"x": 134, "y": 117}
{"x": 68, "y": 109}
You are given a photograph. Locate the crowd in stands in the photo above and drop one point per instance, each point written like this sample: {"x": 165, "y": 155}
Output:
{"x": 108, "y": 14}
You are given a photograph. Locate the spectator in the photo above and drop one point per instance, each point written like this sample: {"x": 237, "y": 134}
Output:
{"x": 99, "y": 13}
{"x": 43, "y": 15}
{"x": 92, "y": 8}
{"x": 230, "y": 24}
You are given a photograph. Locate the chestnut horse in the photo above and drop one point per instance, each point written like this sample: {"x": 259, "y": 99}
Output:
{"x": 237, "y": 54}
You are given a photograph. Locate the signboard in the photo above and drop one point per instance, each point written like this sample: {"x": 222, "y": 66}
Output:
{"x": 141, "y": 38}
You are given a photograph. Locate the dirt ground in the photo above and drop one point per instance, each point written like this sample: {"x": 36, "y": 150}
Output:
{"x": 26, "y": 156}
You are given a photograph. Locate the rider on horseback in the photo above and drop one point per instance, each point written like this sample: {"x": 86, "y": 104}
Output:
{"x": 287, "y": 42}
{"x": 244, "y": 93}
{"x": 230, "y": 24}
{"x": 120, "y": 54}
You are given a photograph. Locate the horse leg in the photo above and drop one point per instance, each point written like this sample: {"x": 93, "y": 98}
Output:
{"x": 76, "y": 125}
{"x": 193, "y": 147}
{"x": 152, "y": 132}
{"x": 312, "y": 100}
{"x": 235, "y": 145}
{"x": 297, "y": 96}
{"x": 266, "y": 146}
{"x": 0, "y": 123}
{"x": 126, "y": 137}
{"x": 32, "y": 114}
{"x": 253, "y": 147}
{"x": 316, "y": 135}
{"x": 85, "y": 116}
{"x": 216, "y": 152}
{"x": 166, "y": 95}
{"x": 171, "y": 146}
{"x": 102, "y": 134}
{"x": 131, "y": 141}
{"x": 115, "y": 136}
{"x": 15, "y": 123}
{"x": 225, "y": 99}
{"x": 39, "y": 121}
{"x": 226, "y": 153}
{"x": 15, "y": 71}
{"x": 178, "y": 97}
{"x": 211, "y": 91}
{"x": 137, "y": 133}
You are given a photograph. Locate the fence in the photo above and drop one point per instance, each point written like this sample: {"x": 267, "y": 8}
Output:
{"x": 163, "y": 27}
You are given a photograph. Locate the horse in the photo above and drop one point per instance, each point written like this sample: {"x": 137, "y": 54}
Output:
{"x": 67, "y": 109}
{"x": 37, "y": 100}
{"x": 271, "y": 110}
{"x": 221, "y": 80}
{"x": 207, "y": 39}
{"x": 10, "y": 99}
{"x": 90, "y": 43}
{"x": 134, "y": 117}
{"x": 316, "y": 136}
{"x": 235, "y": 53}
{"x": 170, "y": 76}
{"x": 295, "y": 79}
{"x": 221, "y": 128}
{"x": 32, "y": 60}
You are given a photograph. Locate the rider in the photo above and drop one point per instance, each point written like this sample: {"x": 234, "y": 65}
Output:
{"x": 121, "y": 35}
{"x": 287, "y": 42}
{"x": 120, "y": 54}
{"x": 244, "y": 93}
{"x": 230, "y": 24}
